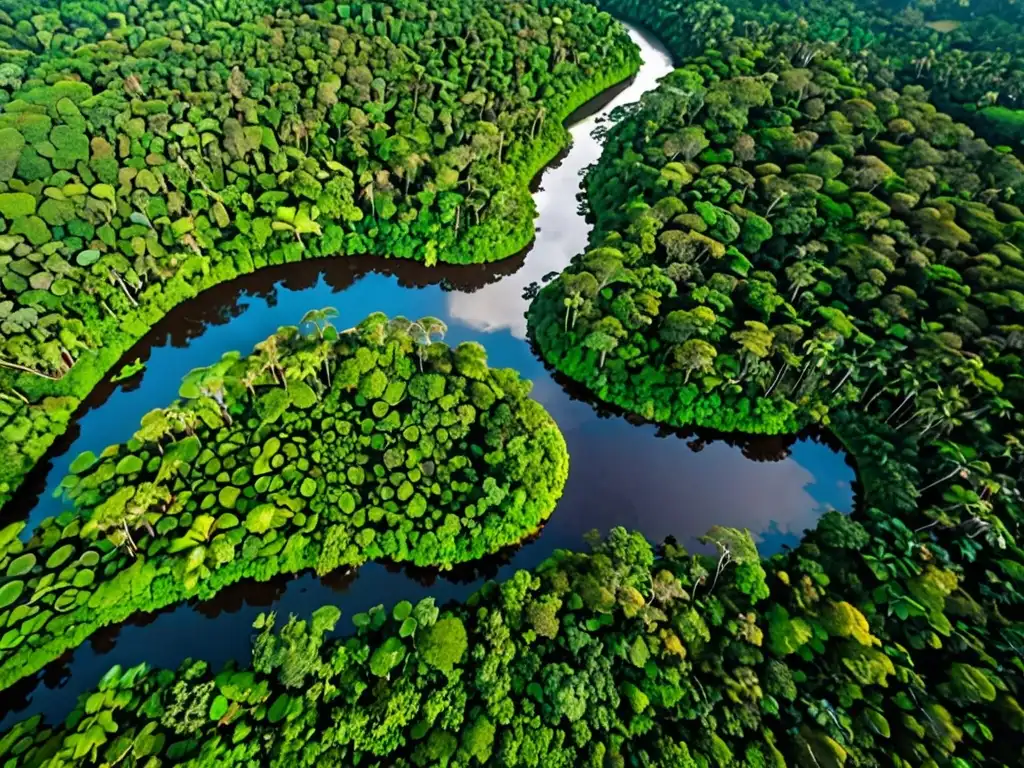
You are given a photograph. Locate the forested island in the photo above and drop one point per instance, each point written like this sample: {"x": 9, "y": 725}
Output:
{"x": 774, "y": 237}
{"x": 147, "y": 156}
{"x": 805, "y": 224}
{"x": 318, "y": 451}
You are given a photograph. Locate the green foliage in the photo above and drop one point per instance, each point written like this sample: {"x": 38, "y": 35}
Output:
{"x": 471, "y": 683}
{"x": 966, "y": 54}
{"x": 238, "y": 481}
{"x": 781, "y": 239}
{"x": 316, "y": 132}
{"x": 871, "y": 286}
{"x": 833, "y": 243}
{"x": 444, "y": 644}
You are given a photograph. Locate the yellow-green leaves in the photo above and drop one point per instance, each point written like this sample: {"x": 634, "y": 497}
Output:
{"x": 103, "y": 192}
{"x": 14, "y": 205}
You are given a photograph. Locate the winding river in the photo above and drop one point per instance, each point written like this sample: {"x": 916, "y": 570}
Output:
{"x": 662, "y": 483}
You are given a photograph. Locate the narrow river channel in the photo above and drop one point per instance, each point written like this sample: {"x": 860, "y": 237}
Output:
{"x": 663, "y": 484}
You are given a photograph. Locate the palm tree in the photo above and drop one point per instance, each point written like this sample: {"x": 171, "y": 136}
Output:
{"x": 572, "y": 304}
{"x": 26, "y": 369}
{"x": 539, "y": 118}
{"x": 802, "y": 274}
{"x": 477, "y": 201}
{"x": 410, "y": 166}
{"x": 907, "y": 381}
{"x": 215, "y": 388}
{"x": 184, "y": 419}
{"x": 154, "y": 427}
{"x": 755, "y": 341}
{"x": 941, "y": 407}
{"x": 320, "y": 318}
{"x": 601, "y": 342}
{"x": 300, "y": 131}
{"x": 817, "y": 351}
{"x": 125, "y": 510}
{"x": 789, "y": 360}
{"x": 372, "y": 181}
{"x": 878, "y": 364}
{"x": 249, "y": 380}
{"x": 924, "y": 62}
{"x": 116, "y": 279}
{"x": 357, "y": 128}
{"x": 422, "y": 332}
{"x": 695, "y": 355}
{"x": 325, "y": 351}
{"x": 270, "y": 354}
{"x": 303, "y": 365}
{"x": 139, "y": 510}
{"x": 210, "y": 383}
{"x": 850, "y": 360}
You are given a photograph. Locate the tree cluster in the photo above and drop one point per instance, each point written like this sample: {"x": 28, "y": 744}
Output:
{"x": 149, "y": 150}
{"x": 772, "y": 231}
{"x": 780, "y": 241}
{"x": 614, "y": 658}
{"x": 318, "y": 451}
{"x": 780, "y": 238}
{"x": 970, "y": 55}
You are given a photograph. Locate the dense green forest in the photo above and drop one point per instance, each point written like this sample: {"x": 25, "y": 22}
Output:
{"x": 780, "y": 238}
{"x": 786, "y": 232}
{"x": 150, "y": 150}
{"x": 316, "y": 451}
{"x": 969, "y": 54}
{"x": 592, "y": 658}
{"x": 775, "y": 237}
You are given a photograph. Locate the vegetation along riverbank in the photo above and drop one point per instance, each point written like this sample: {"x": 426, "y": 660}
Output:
{"x": 145, "y": 157}
{"x": 781, "y": 238}
{"x": 969, "y": 55}
{"x": 315, "y": 452}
